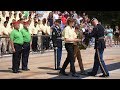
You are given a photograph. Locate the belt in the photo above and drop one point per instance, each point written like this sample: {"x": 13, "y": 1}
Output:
{"x": 59, "y": 38}
{"x": 101, "y": 37}
{"x": 26, "y": 42}
{"x": 18, "y": 44}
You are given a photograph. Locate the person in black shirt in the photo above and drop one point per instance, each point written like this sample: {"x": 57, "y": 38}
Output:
{"x": 98, "y": 34}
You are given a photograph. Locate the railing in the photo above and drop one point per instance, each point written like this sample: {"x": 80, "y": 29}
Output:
{"x": 40, "y": 43}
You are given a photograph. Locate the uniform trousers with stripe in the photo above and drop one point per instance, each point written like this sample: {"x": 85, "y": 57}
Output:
{"x": 99, "y": 62}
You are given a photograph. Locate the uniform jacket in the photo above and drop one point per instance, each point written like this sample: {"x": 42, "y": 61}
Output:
{"x": 97, "y": 33}
{"x": 56, "y": 35}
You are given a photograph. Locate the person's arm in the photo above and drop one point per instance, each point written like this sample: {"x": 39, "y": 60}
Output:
{"x": 54, "y": 38}
{"x": 92, "y": 33}
{"x": 11, "y": 41}
{"x": 72, "y": 40}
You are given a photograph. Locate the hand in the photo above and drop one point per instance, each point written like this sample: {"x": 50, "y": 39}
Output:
{"x": 77, "y": 40}
{"x": 13, "y": 50}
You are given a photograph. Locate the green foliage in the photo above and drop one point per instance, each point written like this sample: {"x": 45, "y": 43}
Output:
{"x": 105, "y": 17}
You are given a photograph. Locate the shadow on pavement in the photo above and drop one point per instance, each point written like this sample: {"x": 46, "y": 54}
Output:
{"x": 110, "y": 67}
{"x": 5, "y": 71}
{"x": 46, "y": 68}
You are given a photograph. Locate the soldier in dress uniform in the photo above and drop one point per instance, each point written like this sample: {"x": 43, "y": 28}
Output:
{"x": 57, "y": 43}
{"x": 98, "y": 34}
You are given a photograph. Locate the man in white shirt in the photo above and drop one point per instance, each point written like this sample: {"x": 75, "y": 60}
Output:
{"x": 5, "y": 34}
{"x": 1, "y": 33}
{"x": 55, "y": 16}
{"x": 35, "y": 37}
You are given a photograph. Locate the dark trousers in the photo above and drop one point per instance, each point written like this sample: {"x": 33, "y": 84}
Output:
{"x": 59, "y": 55}
{"x": 34, "y": 43}
{"x": 98, "y": 61}
{"x": 47, "y": 42}
{"x": 43, "y": 41}
{"x": 16, "y": 57}
{"x": 25, "y": 55}
{"x": 70, "y": 57}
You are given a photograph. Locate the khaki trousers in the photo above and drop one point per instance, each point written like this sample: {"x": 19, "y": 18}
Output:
{"x": 77, "y": 54}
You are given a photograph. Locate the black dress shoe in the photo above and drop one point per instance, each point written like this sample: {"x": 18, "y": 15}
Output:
{"x": 63, "y": 73}
{"x": 15, "y": 71}
{"x": 58, "y": 68}
{"x": 90, "y": 74}
{"x": 104, "y": 76}
{"x": 83, "y": 73}
{"x": 75, "y": 75}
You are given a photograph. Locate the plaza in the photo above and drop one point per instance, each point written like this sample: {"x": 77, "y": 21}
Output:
{"x": 42, "y": 65}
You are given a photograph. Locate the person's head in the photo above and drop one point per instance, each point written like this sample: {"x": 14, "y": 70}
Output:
{"x": 15, "y": 15}
{"x": 7, "y": 18}
{"x": 39, "y": 21}
{"x": 25, "y": 25}
{"x": 70, "y": 22}
{"x": 94, "y": 22}
{"x": 56, "y": 12}
{"x": 10, "y": 14}
{"x": 11, "y": 24}
{"x": 5, "y": 23}
{"x": 106, "y": 26}
{"x": 35, "y": 23}
{"x": 20, "y": 15}
{"x": 44, "y": 21}
{"x": 50, "y": 15}
{"x": 116, "y": 27}
{"x": 21, "y": 20}
{"x": 77, "y": 27}
{"x": 16, "y": 25}
{"x": 57, "y": 22}
{"x": 3, "y": 13}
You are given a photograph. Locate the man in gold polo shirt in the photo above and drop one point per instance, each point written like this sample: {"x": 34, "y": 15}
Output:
{"x": 16, "y": 38}
{"x": 26, "y": 45}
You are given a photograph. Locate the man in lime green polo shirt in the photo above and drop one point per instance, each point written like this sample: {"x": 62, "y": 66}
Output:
{"x": 27, "y": 39}
{"x": 16, "y": 39}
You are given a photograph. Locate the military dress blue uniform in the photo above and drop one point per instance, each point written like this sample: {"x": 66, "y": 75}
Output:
{"x": 98, "y": 34}
{"x": 57, "y": 44}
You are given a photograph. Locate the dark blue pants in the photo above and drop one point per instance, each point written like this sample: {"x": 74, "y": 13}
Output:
{"x": 25, "y": 55}
{"x": 59, "y": 55}
{"x": 16, "y": 57}
{"x": 70, "y": 58}
{"x": 98, "y": 61}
